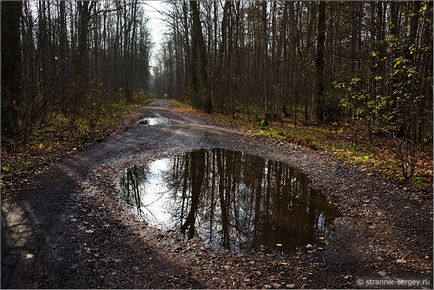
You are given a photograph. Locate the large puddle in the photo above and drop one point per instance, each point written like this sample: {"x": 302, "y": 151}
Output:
{"x": 229, "y": 199}
{"x": 150, "y": 121}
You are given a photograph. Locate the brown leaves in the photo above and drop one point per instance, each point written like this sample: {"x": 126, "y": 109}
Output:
{"x": 376, "y": 157}
{"x": 57, "y": 141}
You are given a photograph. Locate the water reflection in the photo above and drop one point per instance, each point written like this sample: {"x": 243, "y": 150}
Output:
{"x": 229, "y": 199}
{"x": 150, "y": 121}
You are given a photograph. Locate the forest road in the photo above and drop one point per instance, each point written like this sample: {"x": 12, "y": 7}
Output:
{"x": 67, "y": 228}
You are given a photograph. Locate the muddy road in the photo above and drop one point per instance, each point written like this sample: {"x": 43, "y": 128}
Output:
{"x": 67, "y": 227}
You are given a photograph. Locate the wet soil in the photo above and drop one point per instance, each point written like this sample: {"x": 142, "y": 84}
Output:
{"x": 68, "y": 227}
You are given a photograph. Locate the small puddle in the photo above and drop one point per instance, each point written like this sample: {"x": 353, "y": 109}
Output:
{"x": 150, "y": 121}
{"x": 229, "y": 199}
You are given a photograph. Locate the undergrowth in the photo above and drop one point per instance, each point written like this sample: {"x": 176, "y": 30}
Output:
{"x": 375, "y": 157}
{"x": 57, "y": 139}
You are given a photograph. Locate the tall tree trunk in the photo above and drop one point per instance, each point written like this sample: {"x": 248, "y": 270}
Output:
{"x": 187, "y": 55}
{"x": 265, "y": 59}
{"x": 83, "y": 35}
{"x": 63, "y": 43}
{"x": 320, "y": 61}
{"x": 10, "y": 65}
{"x": 199, "y": 50}
{"x": 221, "y": 53}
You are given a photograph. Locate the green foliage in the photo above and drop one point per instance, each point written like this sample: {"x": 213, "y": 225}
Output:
{"x": 263, "y": 124}
{"x": 5, "y": 168}
{"x": 388, "y": 100}
{"x": 422, "y": 182}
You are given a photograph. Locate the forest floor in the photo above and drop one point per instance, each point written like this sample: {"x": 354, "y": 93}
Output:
{"x": 65, "y": 227}
{"x": 56, "y": 140}
{"x": 376, "y": 157}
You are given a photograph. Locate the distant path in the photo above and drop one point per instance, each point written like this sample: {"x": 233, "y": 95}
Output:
{"x": 67, "y": 229}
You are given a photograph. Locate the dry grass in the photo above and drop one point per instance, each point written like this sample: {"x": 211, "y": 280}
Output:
{"x": 376, "y": 157}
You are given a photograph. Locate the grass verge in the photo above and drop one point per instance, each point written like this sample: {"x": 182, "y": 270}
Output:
{"x": 57, "y": 140}
{"x": 376, "y": 157}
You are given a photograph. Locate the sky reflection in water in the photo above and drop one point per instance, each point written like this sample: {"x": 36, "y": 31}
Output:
{"x": 229, "y": 199}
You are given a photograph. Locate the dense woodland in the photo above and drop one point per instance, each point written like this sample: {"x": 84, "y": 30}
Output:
{"x": 65, "y": 60}
{"x": 216, "y": 144}
{"x": 366, "y": 66}
{"x": 315, "y": 61}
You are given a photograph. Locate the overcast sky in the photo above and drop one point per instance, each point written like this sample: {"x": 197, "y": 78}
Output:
{"x": 156, "y": 25}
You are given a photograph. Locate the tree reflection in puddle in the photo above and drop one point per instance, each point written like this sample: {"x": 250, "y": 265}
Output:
{"x": 229, "y": 199}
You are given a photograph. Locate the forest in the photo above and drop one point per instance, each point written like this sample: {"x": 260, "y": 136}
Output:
{"x": 367, "y": 65}
{"x": 216, "y": 144}
{"x": 308, "y": 61}
{"x": 65, "y": 60}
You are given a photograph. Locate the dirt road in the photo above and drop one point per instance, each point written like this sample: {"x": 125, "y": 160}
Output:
{"x": 66, "y": 228}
